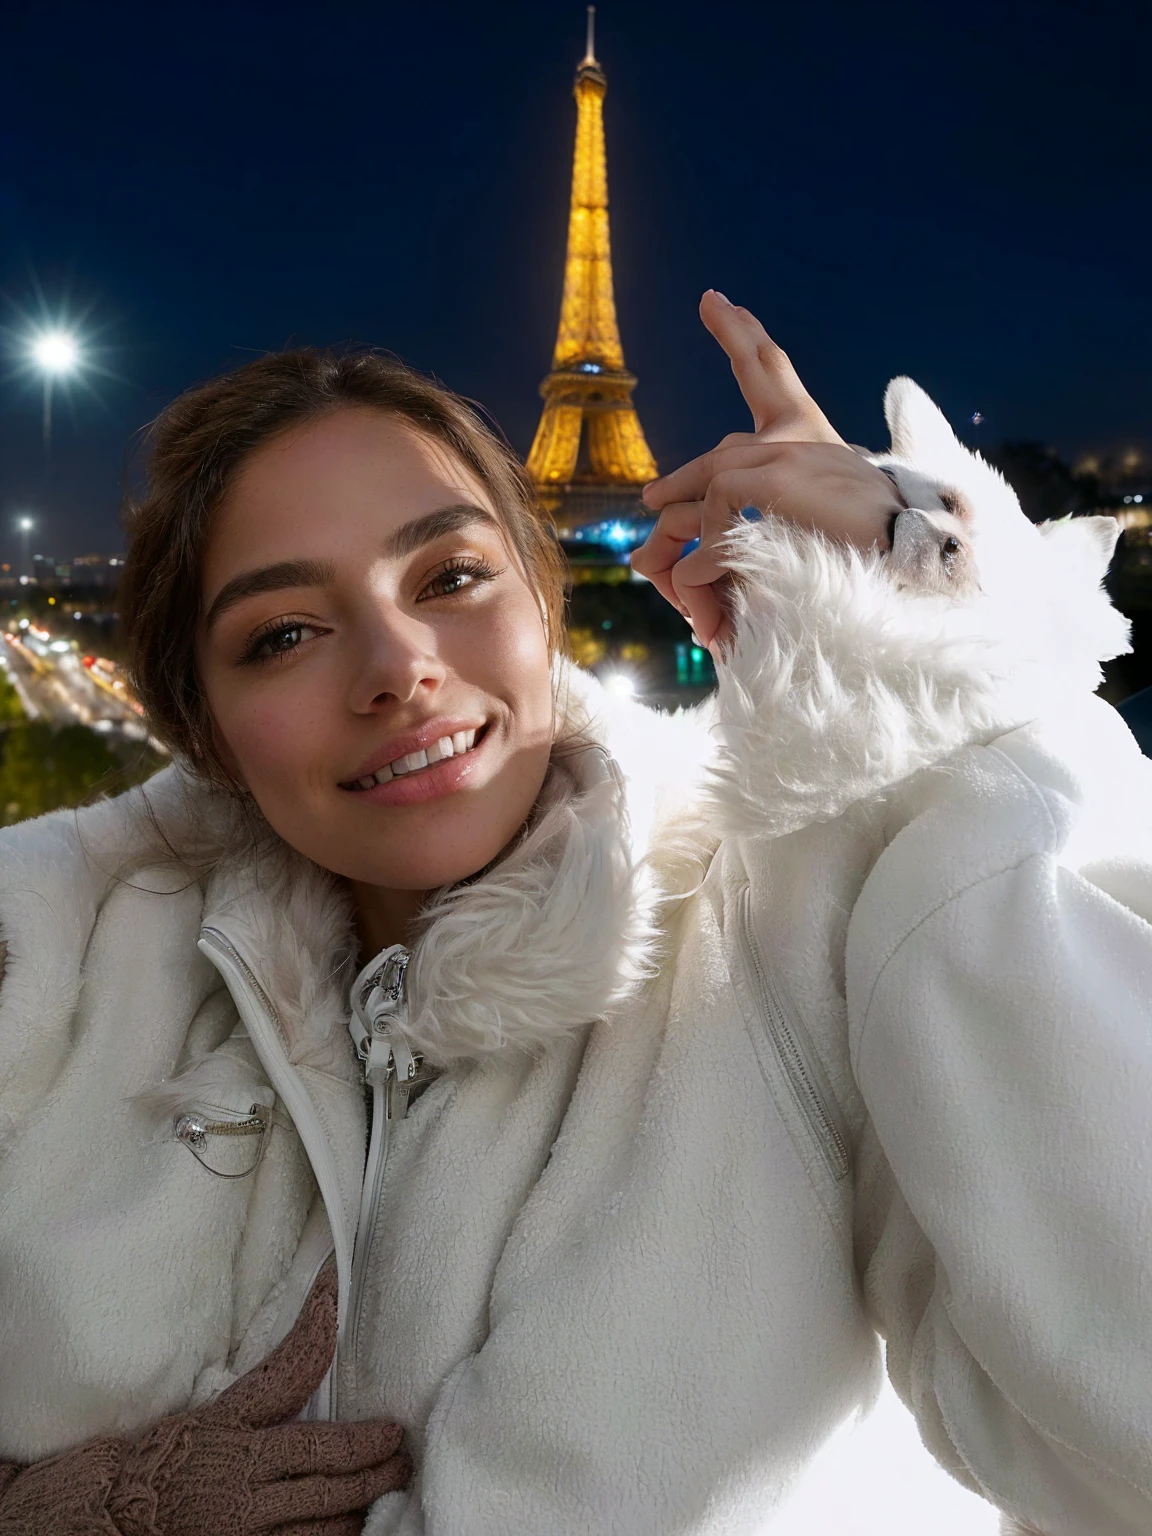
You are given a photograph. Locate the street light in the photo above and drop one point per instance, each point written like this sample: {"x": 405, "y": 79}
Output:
{"x": 25, "y": 525}
{"x": 55, "y": 353}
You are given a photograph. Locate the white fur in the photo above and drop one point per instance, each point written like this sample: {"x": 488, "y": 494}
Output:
{"x": 566, "y": 930}
{"x": 839, "y": 685}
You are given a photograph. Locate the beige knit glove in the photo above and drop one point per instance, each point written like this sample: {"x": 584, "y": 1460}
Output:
{"x": 243, "y": 1465}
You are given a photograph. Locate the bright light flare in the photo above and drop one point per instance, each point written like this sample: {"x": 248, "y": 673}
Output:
{"x": 619, "y": 683}
{"x": 25, "y": 524}
{"x": 56, "y": 352}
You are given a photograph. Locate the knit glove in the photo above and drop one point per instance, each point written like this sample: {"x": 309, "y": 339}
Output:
{"x": 242, "y": 1465}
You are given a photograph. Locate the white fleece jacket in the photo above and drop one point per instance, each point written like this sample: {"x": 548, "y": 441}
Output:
{"x": 821, "y": 1011}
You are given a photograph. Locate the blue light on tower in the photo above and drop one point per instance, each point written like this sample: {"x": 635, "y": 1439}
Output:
{"x": 620, "y": 535}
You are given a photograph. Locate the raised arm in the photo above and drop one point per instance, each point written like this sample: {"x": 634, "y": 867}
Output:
{"x": 1000, "y": 1013}
{"x": 999, "y": 972}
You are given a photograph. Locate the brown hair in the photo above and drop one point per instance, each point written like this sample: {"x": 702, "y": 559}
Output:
{"x": 193, "y": 451}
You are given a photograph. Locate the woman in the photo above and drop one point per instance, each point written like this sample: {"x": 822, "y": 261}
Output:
{"x": 690, "y": 1051}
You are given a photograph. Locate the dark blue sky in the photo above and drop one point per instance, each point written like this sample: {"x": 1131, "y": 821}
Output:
{"x": 957, "y": 192}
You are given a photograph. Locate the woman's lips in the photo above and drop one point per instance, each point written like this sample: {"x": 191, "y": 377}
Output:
{"x": 442, "y": 778}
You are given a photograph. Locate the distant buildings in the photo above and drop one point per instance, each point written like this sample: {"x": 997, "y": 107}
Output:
{"x": 101, "y": 572}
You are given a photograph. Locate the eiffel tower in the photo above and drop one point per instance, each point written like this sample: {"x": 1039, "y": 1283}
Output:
{"x": 589, "y": 457}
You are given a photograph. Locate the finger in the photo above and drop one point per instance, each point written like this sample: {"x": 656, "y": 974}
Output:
{"x": 702, "y": 579}
{"x": 675, "y": 527}
{"x": 657, "y": 486}
{"x": 721, "y": 641}
{"x": 278, "y": 1388}
{"x": 319, "y": 1498}
{"x": 764, "y": 372}
{"x": 691, "y": 481}
{"x": 326, "y": 1450}
{"x": 700, "y": 600}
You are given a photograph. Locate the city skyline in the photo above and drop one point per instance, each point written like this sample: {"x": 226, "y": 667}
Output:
{"x": 200, "y": 211}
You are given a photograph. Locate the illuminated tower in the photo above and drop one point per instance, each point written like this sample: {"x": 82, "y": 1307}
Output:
{"x": 589, "y": 457}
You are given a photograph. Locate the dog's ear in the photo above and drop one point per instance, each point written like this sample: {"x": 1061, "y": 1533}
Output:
{"x": 1092, "y": 538}
{"x": 919, "y": 428}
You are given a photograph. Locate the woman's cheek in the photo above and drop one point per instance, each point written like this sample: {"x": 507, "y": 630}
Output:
{"x": 514, "y": 654}
{"x": 273, "y": 737}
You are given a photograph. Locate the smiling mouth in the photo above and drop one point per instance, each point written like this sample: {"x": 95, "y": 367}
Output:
{"x": 414, "y": 763}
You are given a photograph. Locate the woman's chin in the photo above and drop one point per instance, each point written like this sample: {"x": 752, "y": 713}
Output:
{"x": 448, "y": 848}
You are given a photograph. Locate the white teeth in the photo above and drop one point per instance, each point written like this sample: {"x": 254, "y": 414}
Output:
{"x": 447, "y": 746}
{"x": 441, "y": 749}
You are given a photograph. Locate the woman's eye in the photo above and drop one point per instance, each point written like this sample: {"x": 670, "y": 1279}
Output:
{"x": 280, "y": 641}
{"x": 457, "y": 576}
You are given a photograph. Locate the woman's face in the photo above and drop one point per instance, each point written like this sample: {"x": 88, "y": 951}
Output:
{"x": 364, "y": 613}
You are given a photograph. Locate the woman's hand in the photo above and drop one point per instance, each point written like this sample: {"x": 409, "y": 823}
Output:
{"x": 243, "y": 1464}
{"x": 794, "y": 464}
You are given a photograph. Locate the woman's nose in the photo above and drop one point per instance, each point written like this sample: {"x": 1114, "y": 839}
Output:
{"x": 397, "y": 657}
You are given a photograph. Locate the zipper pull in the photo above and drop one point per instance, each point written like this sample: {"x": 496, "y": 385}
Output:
{"x": 379, "y": 1012}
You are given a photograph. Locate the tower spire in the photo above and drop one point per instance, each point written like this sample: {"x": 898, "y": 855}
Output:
{"x": 589, "y": 434}
{"x": 590, "y": 51}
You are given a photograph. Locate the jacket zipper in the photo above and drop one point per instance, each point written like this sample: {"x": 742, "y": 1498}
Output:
{"x": 800, "y": 1072}
{"x": 391, "y": 1070}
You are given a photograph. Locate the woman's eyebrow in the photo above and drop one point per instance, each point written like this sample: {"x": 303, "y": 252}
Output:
{"x": 433, "y": 525}
{"x": 318, "y": 573}
{"x": 269, "y": 578}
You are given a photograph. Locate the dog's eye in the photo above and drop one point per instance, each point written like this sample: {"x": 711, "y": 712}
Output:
{"x": 949, "y": 550}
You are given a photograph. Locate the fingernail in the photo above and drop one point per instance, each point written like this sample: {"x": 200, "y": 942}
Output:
{"x": 723, "y": 297}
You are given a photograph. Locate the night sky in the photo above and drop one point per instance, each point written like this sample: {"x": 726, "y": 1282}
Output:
{"x": 956, "y": 192}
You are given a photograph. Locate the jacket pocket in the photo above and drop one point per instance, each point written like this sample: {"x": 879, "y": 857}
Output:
{"x": 796, "y": 1058}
